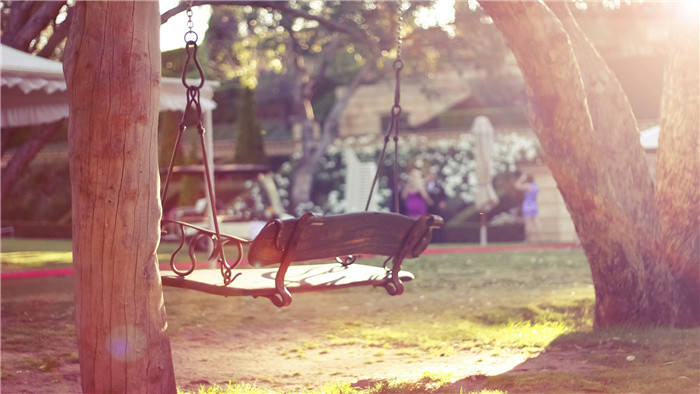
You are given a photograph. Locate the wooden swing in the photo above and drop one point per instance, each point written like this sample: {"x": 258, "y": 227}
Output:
{"x": 302, "y": 239}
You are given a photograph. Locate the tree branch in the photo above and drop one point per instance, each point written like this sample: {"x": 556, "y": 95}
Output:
{"x": 20, "y": 12}
{"x": 59, "y": 34}
{"x": 172, "y": 12}
{"x": 329, "y": 130}
{"x": 25, "y": 154}
{"x": 284, "y": 8}
{"x": 329, "y": 53}
{"x": 36, "y": 24}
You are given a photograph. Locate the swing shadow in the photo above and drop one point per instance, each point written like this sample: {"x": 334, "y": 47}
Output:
{"x": 304, "y": 280}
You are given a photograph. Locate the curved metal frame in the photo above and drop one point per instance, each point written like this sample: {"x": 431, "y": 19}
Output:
{"x": 219, "y": 243}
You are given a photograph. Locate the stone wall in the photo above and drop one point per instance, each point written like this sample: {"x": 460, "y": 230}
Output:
{"x": 421, "y": 100}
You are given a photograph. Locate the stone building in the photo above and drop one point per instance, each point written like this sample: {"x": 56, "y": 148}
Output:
{"x": 421, "y": 100}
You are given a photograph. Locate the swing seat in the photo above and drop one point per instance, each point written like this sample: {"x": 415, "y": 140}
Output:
{"x": 260, "y": 282}
{"x": 312, "y": 237}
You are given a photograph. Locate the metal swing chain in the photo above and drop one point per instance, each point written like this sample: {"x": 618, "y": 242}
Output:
{"x": 194, "y": 104}
{"x": 392, "y": 129}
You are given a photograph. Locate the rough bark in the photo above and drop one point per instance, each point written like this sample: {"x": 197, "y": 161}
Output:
{"x": 678, "y": 165}
{"x": 588, "y": 138}
{"x": 631, "y": 183}
{"x": 112, "y": 69}
{"x": 25, "y": 154}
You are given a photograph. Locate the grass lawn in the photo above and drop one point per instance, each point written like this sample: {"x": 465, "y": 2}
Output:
{"x": 461, "y": 313}
{"x": 27, "y": 254}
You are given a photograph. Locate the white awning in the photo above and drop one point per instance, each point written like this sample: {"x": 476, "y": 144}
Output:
{"x": 34, "y": 90}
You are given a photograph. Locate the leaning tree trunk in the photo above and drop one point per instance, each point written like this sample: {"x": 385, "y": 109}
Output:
{"x": 25, "y": 154}
{"x": 303, "y": 174}
{"x": 591, "y": 145}
{"x": 112, "y": 69}
{"x": 304, "y": 171}
{"x": 678, "y": 165}
{"x": 302, "y": 181}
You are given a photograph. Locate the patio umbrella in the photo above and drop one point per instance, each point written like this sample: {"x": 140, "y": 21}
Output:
{"x": 485, "y": 198}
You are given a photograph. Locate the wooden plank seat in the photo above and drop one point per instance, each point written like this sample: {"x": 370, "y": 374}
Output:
{"x": 260, "y": 282}
{"x": 312, "y": 237}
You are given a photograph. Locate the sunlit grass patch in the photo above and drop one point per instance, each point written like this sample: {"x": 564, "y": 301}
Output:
{"x": 44, "y": 362}
{"x": 36, "y": 258}
{"x": 336, "y": 340}
{"x": 230, "y": 388}
{"x": 428, "y": 382}
{"x": 576, "y": 313}
{"x": 443, "y": 340}
{"x": 297, "y": 352}
{"x": 52, "y": 259}
{"x": 21, "y": 253}
{"x": 528, "y": 327}
{"x": 309, "y": 344}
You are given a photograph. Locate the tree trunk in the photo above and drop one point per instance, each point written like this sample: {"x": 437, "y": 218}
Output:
{"x": 302, "y": 183}
{"x": 616, "y": 136}
{"x": 112, "y": 68}
{"x": 25, "y": 154}
{"x": 588, "y": 138}
{"x": 304, "y": 114}
{"x": 303, "y": 174}
{"x": 678, "y": 165}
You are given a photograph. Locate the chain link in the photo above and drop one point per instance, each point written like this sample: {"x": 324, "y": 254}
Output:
{"x": 393, "y": 128}
{"x": 193, "y": 104}
{"x": 399, "y": 28}
{"x": 190, "y": 24}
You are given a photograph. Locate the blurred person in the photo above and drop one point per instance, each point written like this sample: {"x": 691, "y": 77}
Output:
{"x": 529, "y": 207}
{"x": 415, "y": 195}
{"x": 439, "y": 197}
{"x": 437, "y": 194}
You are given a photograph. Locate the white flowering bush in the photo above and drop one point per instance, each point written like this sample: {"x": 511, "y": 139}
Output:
{"x": 450, "y": 160}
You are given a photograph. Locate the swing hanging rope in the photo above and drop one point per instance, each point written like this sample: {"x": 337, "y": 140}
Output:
{"x": 193, "y": 104}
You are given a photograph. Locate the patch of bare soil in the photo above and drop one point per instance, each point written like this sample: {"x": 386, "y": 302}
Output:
{"x": 272, "y": 358}
{"x": 24, "y": 373}
{"x": 292, "y": 358}
{"x": 259, "y": 357}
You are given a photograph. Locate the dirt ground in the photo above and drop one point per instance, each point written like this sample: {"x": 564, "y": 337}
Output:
{"x": 257, "y": 356}
{"x": 283, "y": 350}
